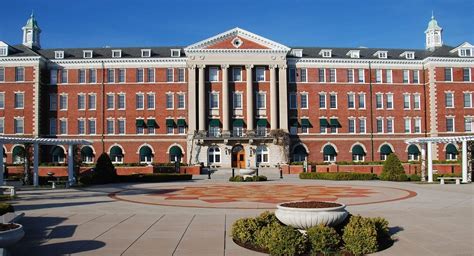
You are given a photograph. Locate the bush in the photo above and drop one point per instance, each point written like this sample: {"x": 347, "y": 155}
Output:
{"x": 104, "y": 171}
{"x": 414, "y": 177}
{"x": 381, "y": 226}
{"x": 285, "y": 240}
{"x": 243, "y": 230}
{"x": 5, "y": 208}
{"x": 338, "y": 176}
{"x": 360, "y": 236}
{"x": 239, "y": 178}
{"x": 323, "y": 239}
{"x": 267, "y": 218}
{"x": 155, "y": 177}
{"x": 393, "y": 169}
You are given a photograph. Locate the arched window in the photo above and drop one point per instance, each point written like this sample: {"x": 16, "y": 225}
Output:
{"x": 451, "y": 152}
{"x": 146, "y": 155}
{"x": 262, "y": 154}
{"x": 329, "y": 154}
{"x": 358, "y": 153}
{"x": 214, "y": 155}
{"x": 385, "y": 150}
{"x": 413, "y": 153}
{"x": 58, "y": 155}
{"x": 116, "y": 155}
{"x": 18, "y": 154}
{"x": 299, "y": 154}
{"x": 87, "y": 155}
{"x": 175, "y": 154}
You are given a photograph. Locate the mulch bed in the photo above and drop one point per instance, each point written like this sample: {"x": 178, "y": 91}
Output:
{"x": 311, "y": 204}
{"x": 9, "y": 226}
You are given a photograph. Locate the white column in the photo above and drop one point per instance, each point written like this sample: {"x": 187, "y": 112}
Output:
{"x": 225, "y": 98}
{"x": 192, "y": 99}
{"x": 250, "y": 115}
{"x": 70, "y": 165}
{"x": 464, "y": 161}
{"x": 430, "y": 162}
{"x": 202, "y": 99}
{"x": 2, "y": 171}
{"x": 273, "y": 99}
{"x": 35, "y": 164}
{"x": 283, "y": 90}
{"x": 423, "y": 163}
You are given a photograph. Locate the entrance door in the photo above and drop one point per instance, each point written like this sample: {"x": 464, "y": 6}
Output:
{"x": 238, "y": 157}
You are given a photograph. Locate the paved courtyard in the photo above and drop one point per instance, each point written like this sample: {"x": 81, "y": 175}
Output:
{"x": 195, "y": 217}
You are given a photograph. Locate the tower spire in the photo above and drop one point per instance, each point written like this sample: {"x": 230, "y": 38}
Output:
{"x": 433, "y": 34}
{"x": 31, "y": 32}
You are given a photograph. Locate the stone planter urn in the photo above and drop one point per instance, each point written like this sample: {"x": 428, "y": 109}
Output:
{"x": 11, "y": 236}
{"x": 305, "y": 214}
{"x": 247, "y": 171}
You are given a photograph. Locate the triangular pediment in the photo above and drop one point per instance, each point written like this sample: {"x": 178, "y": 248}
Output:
{"x": 463, "y": 45}
{"x": 237, "y": 39}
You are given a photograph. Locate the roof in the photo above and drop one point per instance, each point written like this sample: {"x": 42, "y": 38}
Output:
{"x": 106, "y": 52}
{"x": 433, "y": 24}
{"x": 32, "y": 23}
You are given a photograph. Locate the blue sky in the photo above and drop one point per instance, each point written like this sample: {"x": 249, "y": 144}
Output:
{"x": 337, "y": 23}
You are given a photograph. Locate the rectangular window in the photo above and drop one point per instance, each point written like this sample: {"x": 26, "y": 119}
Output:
{"x": 350, "y": 75}
{"x": 19, "y": 74}
{"x": 449, "y": 100}
{"x": 378, "y": 76}
{"x": 53, "y": 76}
{"x": 406, "y": 101}
{"x": 181, "y": 74}
{"x": 64, "y": 76}
{"x": 92, "y": 76}
{"x": 121, "y": 126}
{"x": 416, "y": 101}
{"x": 379, "y": 101}
{"x": 53, "y": 102}
{"x": 181, "y": 101}
{"x": 322, "y": 100}
{"x": 169, "y": 101}
{"x": 81, "y": 126}
{"x": 416, "y": 76}
{"x": 361, "y": 76}
{"x": 390, "y": 125}
{"x": 237, "y": 100}
{"x": 407, "y": 125}
{"x": 304, "y": 101}
{"x": 52, "y": 126}
{"x": 213, "y": 74}
{"x": 260, "y": 74}
{"x": 332, "y": 75}
{"x": 389, "y": 100}
{"x": 2, "y": 100}
{"x": 140, "y": 98}
{"x": 362, "y": 128}
{"x": 110, "y": 98}
{"x": 2, "y": 74}
{"x": 92, "y": 101}
{"x": 150, "y": 75}
{"x": 91, "y": 126}
{"x": 468, "y": 124}
{"x": 140, "y": 75}
{"x": 405, "y": 76}
{"x": 417, "y": 125}
{"x": 19, "y": 100}
{"x": 170, "y": 130}
{"x": 293, "y": 104}
{"x": 466, "y": 74}
{"x": 351, "y": 125}
{"x": 81, "y": 101}
{"x": 351, "y": 100}
{"x": 150, "y": 101}
{"x": 2, "y": 125}
{"x": 322, "y": 75}
{"x": 63, "y": 126}
{"x": 181, "y": 129}
{"x": 237, "y": 74}
{"x": 82, "y": 76}
{"x": 303, "y": 75}
{"x": 121, "y": 75}
{"x": 110, "y": 126}
{"x": 450, "y": 124}
{"x": 214, "y": 100}
{"x": 63, "y": 102}
{"x": 151, "y": 130}
{"x": 379, "y": 125}
{"x": 333, "y": 101}
{"x": 388, "y": 76}
{"x": 448, "y": 74}
{"x": 121, "y": 101}
{"x": 468, "y": 99}
{"x": 362, "y": 100}
{"x": 261, "y": 101}
{"x": 110, "y": 75}
{"x": 169, "y": 75}
{"x": 292, "y": 77}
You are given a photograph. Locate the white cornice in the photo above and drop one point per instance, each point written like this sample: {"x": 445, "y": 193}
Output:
{"x": 20, "y": 59}
{"x": 351, "y": 61}
{"x": 238, "y": 51}
{"x": 120, "y": 61}
{"x": 448, "y": 59}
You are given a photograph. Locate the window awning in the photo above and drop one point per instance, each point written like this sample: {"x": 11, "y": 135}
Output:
{"x": 145, "y": 151}
{"x": 335, "y": 122}
{"x": 58, "y": 151}
{"x": 87, "y": 151}
{"x": 176, "y": 151}
{"x": 329, "y": 150}
{"x": 451, "y": 149}
{"x": 238, "y": 123}
{"x": 413, "y": 150}
{"x": 358, "y": 150}
{"x": 140, "y": 123}
{"x": 262, "y": 122}
{"x": 386, "y": 150}
{"x": 116, "y": 151}
{"x": 323, "y": 122}
{"x": 214, "y": 122}
{"x": 294, "y": 123}
{"x": 151, "y": 123}
{"x": 181, "y": 122}
{"x": 169, "y": 123}
{"x": 305, "y": 122}
{"x": 18, "y": 151}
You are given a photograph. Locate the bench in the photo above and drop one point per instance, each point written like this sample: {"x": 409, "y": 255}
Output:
{"x": 442, "y": 179}
{"x": 11, "y": 188}
{"x": 54, "y": 182}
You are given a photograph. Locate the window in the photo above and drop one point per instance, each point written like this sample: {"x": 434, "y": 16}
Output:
{"x": 362, "y": 126}
{"x": 19, "y": 74}
{"x": 140, "y": 75}
{"x": 351, "y": 100}
{"x": 417, "y": 125}
{"x": 326, "y": 53}
{"x": 303, "y": 75}
{"x": 64, "y": 76}
{"x": 260, "y": 74}
{"x": 57, "y": 155}
{"x": 406, "y": 101}
{"x": 465, "y": 52}
{"x": 449, "y": 124}
{"x": 416, "y": 101}
{"x": 121, "y": 126}
{"x": 110, "y": 99}
{"x": 169, "y": 101}
{"x": 351, "y": 126}
{"x": 116, "y": 155}
{"x": 3, "y": 51}
{"x": 53, "y": 102}
{"x": 382, "y": 55}
{"x": 146, "y": 53}
{"x": 92, "y": 101}
{"x": 329, "y": 153}
{"x": 59, "y": 54}
{"x": 322, "y": 75}
{"x": 468, "y": 100}
{"x": 2, "y": 100}
{"x": 292, "y": 77}
{"x": 19, "y": 100}
{"x": 389, "y": 125}
{"x": 214, "y": 100}
{"x": 378, "y": 76}
{"x": 151, "y": 129}
{"x": 146, "y": 155}
{"x": 304, "y": 101}
{"x": 53, "y": 76}
{"x": 81, "y": 126}
{"x": 92, "y": 76}
{"x": 116, "y": 53}
{"x": 140, "y": 130}
{"x": 181, "y": 101}
{"x": 407, "y": 125}
{"x": 350, "y": 75}
{"x": 63, "y": 102}
{"x": 121, "y": 75}
{"x": 448, "y": 74}
{"x": 181, "y": 74}
{"x": 293, "y": 103}
{"x": 322, "y": 100}
{"x": 121, "y": 101}
{"x": 379, "y": 123}
{"x": 150, "y": 75}
{"x": 150, "y": 98}
{"x": 87, "y": 54}
{"x": 261, "y": 100}
{"x": 389, "y": 100}
{"x": 2, "y": 125}
{"x": 63, "y": 126}
{"x": 81, "y": 101}
{"x": 362, "y": 100}
{"x": 237, "y": 100}
{"x": 140, "y": 98}
{"x": 332, "y": 75}
{"x": 379, "y": 101}
{"x": 214, "y": 131}
{"x": 449, "y": 99}
{"x": 52, "y": 126}
{"x": 213, "y": 74}
{"x": 110, "y": 75}
{"x": 91, "y": 127}
{"x": 237, "y": 74}
{"x": 358, "y": 153}
{"x": 388, "y": 76}
{"x": 405, "y": 76}
{"x": 82, "y": 76}
{"x": 181, "y": 129}
{"x": 468, "y": 122}
{"x": 2, "y": 74}
{"x": 416, "y": 76}
{"x": 466, "y": 74}
{"x": 110, "y": 126}
{"x": 262, "y": 155}
{"x": 214, "y": 155}
{"x": 451, "y": 152}
{"x": 293, "y": 130}
{"x": 175, "y": 52}
{"x": 361, "y": 76}
{"x": 87, "y": 155}
{"x": 333, "y": 101}
{"x": 169, "y": 75}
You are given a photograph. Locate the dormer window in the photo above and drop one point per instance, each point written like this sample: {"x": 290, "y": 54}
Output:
{"x": 466, "y": 52}
{"x": 297, "y": 52}
{"x": 116, "y": 53}
{"x": 354, "y": 54}
{"x": 175, "y": 53}
{"x": 381, "y": 54}
{"x": 59, "y": 54}
{"x": 326, "y": 53}
{"x": 146, "y": 53}
{"x": 408, "y": 55}
{"x": 3, "y": 51}
{"x": 87, "y": 54}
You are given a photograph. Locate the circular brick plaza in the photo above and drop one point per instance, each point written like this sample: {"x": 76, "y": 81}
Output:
{"x": 258, "y": 196}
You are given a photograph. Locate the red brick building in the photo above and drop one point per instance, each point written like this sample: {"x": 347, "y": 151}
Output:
{"x": 236, "y": 99}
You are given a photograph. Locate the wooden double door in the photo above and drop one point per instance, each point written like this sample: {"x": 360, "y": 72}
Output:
{"x": 238, "y": 157}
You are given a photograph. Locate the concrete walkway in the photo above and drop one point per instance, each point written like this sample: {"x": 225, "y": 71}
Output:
{"x": 438, "y": 221}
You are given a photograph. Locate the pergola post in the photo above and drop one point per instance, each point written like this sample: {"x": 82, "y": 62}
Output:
{"x": 35, "y": 164}
{"x": 464, "y": 161}
{"x": 423, "y": 162}
{"x": 70, "y": 165}
{"x": 430, "y": 162}
{"x": 1, "y": 164}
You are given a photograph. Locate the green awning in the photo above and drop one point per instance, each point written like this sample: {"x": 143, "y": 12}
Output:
{"x": 323, "y": 122}
{"x": 87, "y": 151}
{"x": 451, "y": 149}
{"x": 181, "y": 122}
{"x": 305, "y": 122}
{"x": 262, "y": 122}
{"x": 386, "y": 150}
{"x": 329, "y": 150}
{"x": 18, "y": 151}
{"x": 413, "y": 150}
{"x": 116, "y": 151}
{"x": 334, "y": 122}
{"x": 176, "y": 151}
{"x": 214, "y": 122}
{"x": 238, "y": 123}
{"x": 151, "y": 123}
{"x": 358, "y": 150}
{"x": 58, "y": 151}
{"x": 140, "y": 123}
{"x": 145, "y": 151}
{"x": 169, "y": 123}
{"x": 294, "y": 123}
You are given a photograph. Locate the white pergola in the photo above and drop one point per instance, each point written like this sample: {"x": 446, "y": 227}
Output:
{"x": 43, "y": 141}
{"x": 430, "y": 140}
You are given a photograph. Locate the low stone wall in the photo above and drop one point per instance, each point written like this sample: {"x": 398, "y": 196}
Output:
{"x": 377, "y": 169}
{"x": 128, "y": 170}
{"x": 194, "y": 170}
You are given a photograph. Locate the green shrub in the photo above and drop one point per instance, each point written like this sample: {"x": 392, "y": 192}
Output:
{"x": 104, "y": 171}
{"x": 393, "y": 169}
{"x": 239, "y": 178}
{"x": 4, "y": 208}
{"x": 263, "y": 235}
{"x": 323, "y": 239}
{"x": 381, "y": 226}
{"x": 360, "y": 236}
{"x": 266, "y": 218}
{"x": 155, "y": 177}
{"x": 285, "y": 240}
{"x": 243, "y": 230}
{"x": 248, "y": 178}
{"x": 338, "y": 176}
{"x": 414, "y": 177}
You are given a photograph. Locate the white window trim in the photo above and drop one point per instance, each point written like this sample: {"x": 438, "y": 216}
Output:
{"x": 383, "y": 123}
{"x": 88, "y": 76}
{"x": 471, "y": 123}
{"x": 393, "y": 125}
{"x": 407, "y": 96}
{"x": 351, "y": 119}
{"x": 416, "y": 96}
{"x": 363, "y": 75}
{"x": 418, "y": 75}
{"x": 264, "y": 101}
{"x": 148, "y": 75}
{"x": 389, "y": 71}
{"x": 136, "y": 100}
{"x": 172, "y": 75}
{"x": 333, "y": 94}
{"x": 24, "y": 78}
{"x": 470, "y": 75}
{"x": 255, "y": 79}
{"x": 365, "y": 125}
{"x": 85, "y": 101}
{"x": 184, "y": 100}
{"x": 23, "y": 96}
{"x": 117, "y": 53}
{"x": 112, "y": 120}
{"x": 172, "y": 100}
{"x": 390, "y": 95}
{"x": 452, "y": 78}
{"x": 407, "y": 120}
{"x": 2, "y": 95}
{"x": 452, "y": 99}
{"x": 59, "y": 102}
{"x": 218, "y": 99}
{"x": 305, "y": 94}
{"x": 353, "y": 75}
{"x": 66, "y": 129}
{"x": 241, "y": 100}
{"x": 408, "y": 76}
{"x": 143, "y": 77}
{"x": 324, "y": 75}
{"x": 87, "y": 52}
{"x": 88, "y": 128}
{"x": 124, "y": 75}
{"x": 417, "y": 120}
{"x": 154, "y": 100}
{"x": 351, "y": 94}
{"x": 209, "y": 75}
{"x": 335, "y": 75}
{"x": 306, "y": 75}
{"x": 59, "y": 55}
{"x": 112, "y": 95}
{"x": 175, "y": 53}
{"x": 145, "y": 53}
{"x": 365, "y": 103}
{"x": 379, "y": 71}
{"x": 124, "y": 101}
{"x": 95, "y": 101}
{"x": 122, "y": 119}
{"x": 454, "y": 124}
{"x": 81, "y": 119}
{"x": 381, "y": 98}
{"x": 184, "y": 75}
{"x": 325, "y": 100}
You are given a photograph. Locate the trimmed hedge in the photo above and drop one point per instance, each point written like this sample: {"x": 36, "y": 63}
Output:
{"x": 155, "y": 177}
{"x": 239, "y": 178}
{"x": 393, "y": 169}
{"x": 323, "y": 240}
{"x": 360, "y": 236}
{"x": 337, "y": 176}
{"x": 414, "y": 177}
{"x": 5, "y": 208}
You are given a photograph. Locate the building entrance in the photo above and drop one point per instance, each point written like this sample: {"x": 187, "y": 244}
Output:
{"x": 238, "y": 157}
